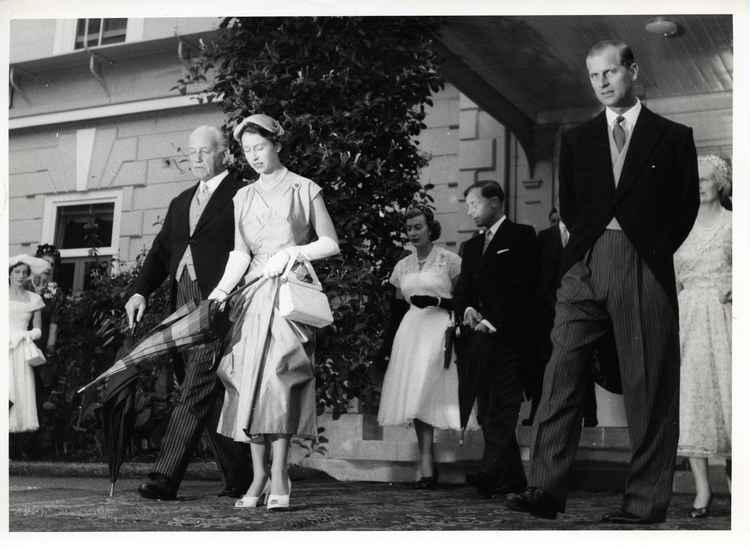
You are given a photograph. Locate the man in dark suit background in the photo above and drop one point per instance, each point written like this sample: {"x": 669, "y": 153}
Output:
{"x": 550, "y": 243}
{"x": 191, "y": 249}
{"x": 629, "y": 197}
{"x": 493, "y": 297}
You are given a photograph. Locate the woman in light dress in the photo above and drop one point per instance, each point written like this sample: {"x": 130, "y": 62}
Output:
{"x": 703, "y": 268}
{"x": 267, "y": 368}
{"x": 25, "y": 310}
{"x": 417, "y": 386}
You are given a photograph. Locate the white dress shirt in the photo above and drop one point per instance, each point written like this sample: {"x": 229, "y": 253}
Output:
{"x": 618, "y": 156}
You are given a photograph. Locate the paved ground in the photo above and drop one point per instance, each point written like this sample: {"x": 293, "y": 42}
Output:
{"x": 80, "y": 504}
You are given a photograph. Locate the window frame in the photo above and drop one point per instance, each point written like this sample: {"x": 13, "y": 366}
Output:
{"x": 54, "y": 202}
{"x": 100, "y": 37}
{"x": 65, "y": 35}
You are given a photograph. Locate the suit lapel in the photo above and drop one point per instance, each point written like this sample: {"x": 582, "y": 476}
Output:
{"x": 219, "y": 197}
{"x": 599, "y": 146}
{"x": 183, "y": 212}
{"x": 646, "y": 134}
{"x": 497, "y": 241}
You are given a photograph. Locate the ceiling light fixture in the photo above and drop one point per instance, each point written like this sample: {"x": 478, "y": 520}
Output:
{"x": 663, "y": 26}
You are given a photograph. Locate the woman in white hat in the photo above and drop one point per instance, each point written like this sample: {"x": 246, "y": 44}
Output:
{"x": 25, "y": 309}
{"x": 267, "y": 368}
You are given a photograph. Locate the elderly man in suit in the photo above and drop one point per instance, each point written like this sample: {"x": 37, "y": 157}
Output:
{"x": 191, "y": 249}
{"x": 493, "y": 295}
{"x": 629, "y": 197}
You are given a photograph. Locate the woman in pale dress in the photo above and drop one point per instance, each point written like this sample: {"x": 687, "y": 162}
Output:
{"x": 417, "y": 387}
{"x": 25, "y": 308}
{"x": 267, "y": 368}
{"x": 703, "y": 268}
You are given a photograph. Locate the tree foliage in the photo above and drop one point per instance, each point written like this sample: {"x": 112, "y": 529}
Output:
{"x": 351, "y": 94}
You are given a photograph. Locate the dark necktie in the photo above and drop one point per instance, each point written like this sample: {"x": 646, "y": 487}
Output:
{"x": 618, "y": 132}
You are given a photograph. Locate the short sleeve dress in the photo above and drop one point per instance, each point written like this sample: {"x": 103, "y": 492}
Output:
{"x": 417, "y": 385}
{"x": 21, "y": 386}
{"x": 267, "y": 367}
{"x": 703, "y": 265}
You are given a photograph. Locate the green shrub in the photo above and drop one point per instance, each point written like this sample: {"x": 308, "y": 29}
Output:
{"x": 91, "y": 329}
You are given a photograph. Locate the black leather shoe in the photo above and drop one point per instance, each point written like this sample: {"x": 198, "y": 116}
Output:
{"x": 534, "y": 501}
{"x": 473, "y": 479}
{"x": 626, "y": 518}
{"x": 485, "y": 485}
{"x": 506, "y": 489}
{"x": 231, "y": 492}
{"x": 430, "y": 482}
{"x": 159, "y": 488}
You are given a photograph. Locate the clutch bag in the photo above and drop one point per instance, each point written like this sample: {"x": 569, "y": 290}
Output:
{"x": 303, "y": 302}
{"x": 33, "y": 355}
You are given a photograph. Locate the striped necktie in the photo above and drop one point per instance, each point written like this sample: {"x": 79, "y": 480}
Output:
{"x": 618, "y": 132}
{"x": 487, "y": 240}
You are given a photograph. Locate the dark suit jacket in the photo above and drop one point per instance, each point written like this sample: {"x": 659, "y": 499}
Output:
{"x": 550, "y": 247}
{"x": 500, "y": 285}
{"x": 655, "y": 202}
{"x": 210, "y": 243}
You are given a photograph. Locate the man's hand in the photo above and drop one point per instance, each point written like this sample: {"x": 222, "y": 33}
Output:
{"x": 471, "y": 317}
{"x": 134, "y": 308}
{"x": 726, "y": 298}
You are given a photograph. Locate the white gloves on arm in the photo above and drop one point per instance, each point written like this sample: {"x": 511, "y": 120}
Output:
{"x": 33, "y": 334}
{"x": 319, "y": 249}
{"x": 278, "y": 261}
{"x": 236, "y": 267}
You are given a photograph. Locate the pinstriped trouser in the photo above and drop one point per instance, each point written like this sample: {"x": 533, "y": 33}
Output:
{"x": 198, "y": 405}
{"x": 613, "y": 282}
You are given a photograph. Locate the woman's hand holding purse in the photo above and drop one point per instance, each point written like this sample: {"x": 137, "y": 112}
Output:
{"x": 278, "y": 262}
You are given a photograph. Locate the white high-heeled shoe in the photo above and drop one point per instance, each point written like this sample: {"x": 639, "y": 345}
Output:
{"x": 279, "y": 502}
{"x": 249, "y": 501}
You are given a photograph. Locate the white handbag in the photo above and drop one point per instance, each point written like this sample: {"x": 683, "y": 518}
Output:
{"x": 303, "y": 302}
{"x": 32, "y": 354}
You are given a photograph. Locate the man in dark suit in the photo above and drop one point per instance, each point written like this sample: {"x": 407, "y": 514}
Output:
{"x": 493, "y": 296}
{"x": 550, "y": 242}
{"x": 191, "y": 249}
{"x": 629, "y": 196}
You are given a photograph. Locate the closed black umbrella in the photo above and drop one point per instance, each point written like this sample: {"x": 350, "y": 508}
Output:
{"x": 474, "y": 351}
{"x": 118, "y": 413}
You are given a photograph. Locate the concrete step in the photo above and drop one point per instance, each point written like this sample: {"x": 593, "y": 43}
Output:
{"x": 358, "y": 449}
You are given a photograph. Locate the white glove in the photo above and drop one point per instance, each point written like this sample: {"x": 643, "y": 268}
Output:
{"x": 319, "y": 249}
{"x": 278, "y": 262}
{"x": 234, "y": 270}
{"x": 218, "y": 295}
{"x": 33, "y": 334}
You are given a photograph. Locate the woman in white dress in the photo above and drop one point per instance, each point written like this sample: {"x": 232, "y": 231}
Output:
{"x": 25, "y": 309}
{"x": 703, "y": 268}
{"x": 267, "y": 368}
{"x": 417, "y": 386}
